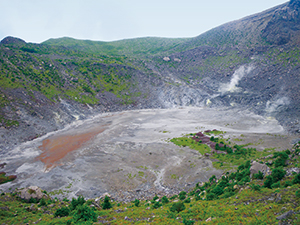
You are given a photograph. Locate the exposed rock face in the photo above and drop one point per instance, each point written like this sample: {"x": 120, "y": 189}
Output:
{"x": 294, "y": 3}
{"x": 284, "y": 25}
{"x": 32, "y": 192}
{"x": 256, "y": 167}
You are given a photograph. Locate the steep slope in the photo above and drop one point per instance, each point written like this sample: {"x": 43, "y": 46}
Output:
{"x": 250, "y": 63}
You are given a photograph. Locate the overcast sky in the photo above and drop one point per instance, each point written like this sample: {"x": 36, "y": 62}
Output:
{"x": 107, "y": 20}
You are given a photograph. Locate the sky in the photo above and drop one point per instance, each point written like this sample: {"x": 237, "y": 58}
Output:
{"x": 108, "y": 20}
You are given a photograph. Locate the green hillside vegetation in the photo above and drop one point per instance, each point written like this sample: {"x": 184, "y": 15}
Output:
{"x": 135, "y": 48}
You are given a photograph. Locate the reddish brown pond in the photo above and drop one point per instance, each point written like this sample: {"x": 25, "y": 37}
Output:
{"x": 56, "y": 148}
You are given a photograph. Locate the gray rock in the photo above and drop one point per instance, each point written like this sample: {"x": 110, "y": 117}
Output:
{"x": 256, "y": 167}
{"x": 32, "y": 192}
{"x": 285, "y": 215}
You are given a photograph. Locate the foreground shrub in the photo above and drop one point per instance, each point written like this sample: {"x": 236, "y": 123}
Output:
{"x": 177, "y": 207}
{"x": 255, "y": 187}
{"x": 296, "y": 180}
{"x": 106, "y": 204}
{"x": 188, "y": 222}
{"x": 165, "y": 200}
{"x": 156, "y": 205}
{"x": 136, "y": 202}
{"x": 84, "y": 213}
{"x": 258, "y": 176}
{"x": 76, "y": 202}
{"x": 62, "y": 212}
{"x": 276, "y": 185}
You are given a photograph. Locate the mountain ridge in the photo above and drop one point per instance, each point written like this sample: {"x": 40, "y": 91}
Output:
{"x": 94, "y": 77}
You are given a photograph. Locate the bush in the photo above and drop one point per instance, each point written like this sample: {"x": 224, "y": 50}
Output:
{"x": 287, "y": 183}
{"x": 255, "y": 187}
{"x": 177, "y": 207}
{"x": 42, "y": 202}
{"x": 277, "y": 174}
{"x": 296, "y": 180}
{"x": 182, "y": 195}
{"x": 84, "y": 213}
{"x": 211, "y": 196}
{"x": 62, "y": 212}
{"x": 297, "y": 193}
{"x": 188, "y": 222}
{"x": 173, "y": 197}
{"x": 268, "y": 182}
{"x": 281, "y": 159}
{"x": 106, "y": 204}
{"x": 276, "y": 185}
{"x": 76, "y": 202}
{"x": 136, "y": 202}
{"x": 188, "y": 200}
{"x": 258, "y": 176}
{"x": 155, "y": 198}
{"x": 156, "y": 205}
{"x": 165, "y": 200}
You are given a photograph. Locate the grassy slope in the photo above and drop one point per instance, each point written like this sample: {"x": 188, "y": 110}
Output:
{"x": 243, "y": 201}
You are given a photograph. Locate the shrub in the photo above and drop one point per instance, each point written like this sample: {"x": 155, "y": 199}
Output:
{"x": 182, "y": 195}
{"x": 76, "y": 202}
{"x": 211, "y": 196}
{"x": 188, "y": 200}
{"x": 173, "y": 197}
{"x": 281, "y": 159}
{"x": 155, "y": 198}
{"x": 136, "y": 202}
{"x": 188, "y": 222}
{"x": 296, "y": 180}
{"x": 156, "y": 205}
{"x": 255, "y": 187}
{"x": 276, "y": 185}
{"x": 106, "y": 204}
{"x": 287, "y": 183}
{"x": 277, "y": 174}
{"x": 217, "y": 190}
{"x": 268, "y": 182}
{"x": 42, "y": 202}
{"x": 177, "y": 207}
{"x": 84, "y": 213}
{"x": 258, "y": 176}
{"x": 198, "y": 198}
{"x": 165, "y": 200}
{"x": 297, "y": 193}
{"x": 62, "y": 212}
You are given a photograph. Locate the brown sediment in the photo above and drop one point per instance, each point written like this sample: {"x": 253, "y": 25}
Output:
{"x": 56, "y": 148}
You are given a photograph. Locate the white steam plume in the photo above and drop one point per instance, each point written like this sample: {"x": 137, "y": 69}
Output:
{"x": 236, "y": 77}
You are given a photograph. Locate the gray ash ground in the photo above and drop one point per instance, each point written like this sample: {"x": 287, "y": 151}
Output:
{"x": 132, "y": 157}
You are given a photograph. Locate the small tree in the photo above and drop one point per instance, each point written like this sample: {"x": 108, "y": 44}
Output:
{"x": 177, "y": 207}
{"x": 62, "y": 212}
{"x": 136, "y": 202}
{"x": 106, "y": 204}
{"x": 84, "y": 213}
{"x": 165, "y": 200}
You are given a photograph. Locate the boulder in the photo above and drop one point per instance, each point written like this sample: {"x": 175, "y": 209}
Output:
{"x": 256, "y": 167}
{"x": 285, "y": 215}
{"x": 32, "y": 192}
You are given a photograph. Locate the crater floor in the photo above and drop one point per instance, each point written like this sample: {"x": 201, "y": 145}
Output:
{"x": 128, "y": 154}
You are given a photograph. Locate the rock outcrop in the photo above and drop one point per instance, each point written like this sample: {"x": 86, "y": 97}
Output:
{"x": 32, "y": 192}
{"x": 256, "y": 167}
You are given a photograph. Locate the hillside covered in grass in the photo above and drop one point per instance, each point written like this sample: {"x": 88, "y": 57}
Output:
{"x": 242, "y": 196}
